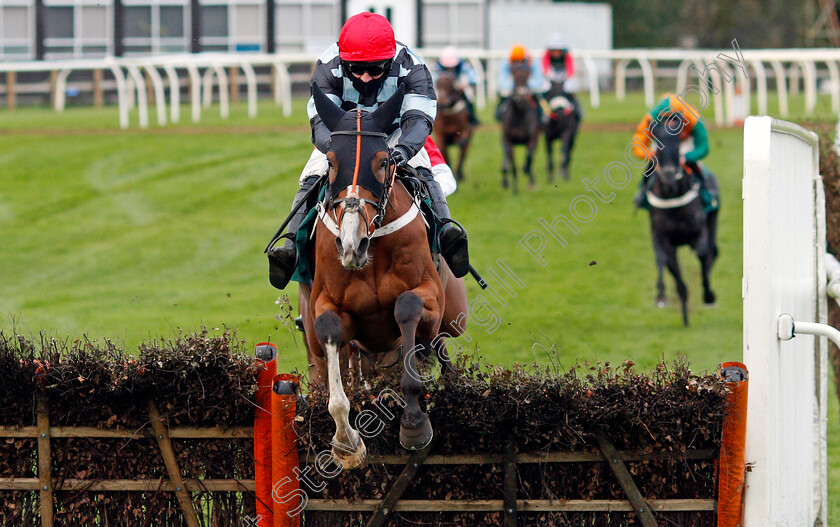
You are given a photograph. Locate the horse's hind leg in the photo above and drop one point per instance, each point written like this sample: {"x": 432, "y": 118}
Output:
{"x": 444, "y": 360}
{"x": 347, "y": 445}
{"x": 415, "y": 428}
{"x": 706, "y": 252}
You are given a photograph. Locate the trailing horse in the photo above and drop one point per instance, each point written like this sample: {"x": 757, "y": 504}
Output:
{"x": 375, "y": 281}
{"x": 678, "y": 217}
{"x": 452, "y": 124}
{"x": 562, "y": 125}
{"x": 521, "y": 125}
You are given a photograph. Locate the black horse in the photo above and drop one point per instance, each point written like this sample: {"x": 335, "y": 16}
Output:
{"x": 520, "y": 126}
{"x": 562, "y": 125}
{"x": 678, "y": 217}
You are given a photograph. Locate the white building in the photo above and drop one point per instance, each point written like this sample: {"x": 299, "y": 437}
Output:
{"x": 54, "y": 29}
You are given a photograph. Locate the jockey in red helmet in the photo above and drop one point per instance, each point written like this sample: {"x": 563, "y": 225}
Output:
{"x": 559, "y": 68}
{"x": 363, "y": 69}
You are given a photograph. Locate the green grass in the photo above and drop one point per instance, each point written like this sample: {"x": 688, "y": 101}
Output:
{"x": 133, "y": 235}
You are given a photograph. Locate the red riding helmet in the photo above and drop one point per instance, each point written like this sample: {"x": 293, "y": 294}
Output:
{"x": 366, "y": 37}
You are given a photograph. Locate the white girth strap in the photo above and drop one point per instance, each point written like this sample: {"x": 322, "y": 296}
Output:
{"x": 389, "y": 228}
{"x": 673, "y": 203}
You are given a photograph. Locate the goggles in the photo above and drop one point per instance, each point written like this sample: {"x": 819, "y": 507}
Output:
{"x": 374, "y": 69}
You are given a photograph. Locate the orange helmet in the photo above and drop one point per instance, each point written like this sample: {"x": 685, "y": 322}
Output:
{"x": 517, "y": 52}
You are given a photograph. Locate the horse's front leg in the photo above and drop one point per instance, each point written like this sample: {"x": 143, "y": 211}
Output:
{"x": 550, "y": 154}
{"x": 507, "y": 162}
{"x": 661, "y": 259}
{"x": 464, "y": 144}
{"x": 568, "y": 143}
{"x": 671, "y": 262}
{"x": 532, "y": 147}
{"x": 415, "y": 428}
{"x": 347, "y": 445}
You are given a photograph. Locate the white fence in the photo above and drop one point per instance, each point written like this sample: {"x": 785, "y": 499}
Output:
{"x": 784, "y": 273}
{"x": 789, "y": 69}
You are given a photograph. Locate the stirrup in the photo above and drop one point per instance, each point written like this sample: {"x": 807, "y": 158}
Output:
{"x": 280, "y": 272}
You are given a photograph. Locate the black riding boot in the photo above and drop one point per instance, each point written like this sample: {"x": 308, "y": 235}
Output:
{"x": 283, "y": 260}
{"x": 452, "y": 240}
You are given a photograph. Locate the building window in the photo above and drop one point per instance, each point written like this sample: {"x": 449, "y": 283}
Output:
{"x": 456, "y": 22}
{"x": 78, "y": 28}
{"x": 171, "y": 22}
{"x": 152, "y": 27}
{"x": 214, "y": 21}
{"x": 58, "y": 22}
{"x": 306, "y": 25}
{"x": 137, "y": 21}
{"x": 233, "y": 25}
{"x": 17, "y": 31}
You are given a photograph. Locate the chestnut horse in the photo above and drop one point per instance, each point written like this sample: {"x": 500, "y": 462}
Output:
{"x": 520, "y": 126}
{"x": 375, "y": 281}
{"x": 452, "y": 124}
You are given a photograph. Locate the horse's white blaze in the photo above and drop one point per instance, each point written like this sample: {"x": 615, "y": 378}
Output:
{"x": 349, "y": 234}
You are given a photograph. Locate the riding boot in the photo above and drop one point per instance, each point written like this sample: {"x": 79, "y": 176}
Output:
{"x": 283, "y": 260}
{"x": 451, "y": 238}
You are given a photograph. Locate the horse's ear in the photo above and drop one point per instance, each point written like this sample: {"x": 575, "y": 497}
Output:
{"x": 390, "y": 109}
{"x": 329, "y": 112}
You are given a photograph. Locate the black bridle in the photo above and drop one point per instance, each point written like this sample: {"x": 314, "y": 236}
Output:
{"x": 354, "y": 203}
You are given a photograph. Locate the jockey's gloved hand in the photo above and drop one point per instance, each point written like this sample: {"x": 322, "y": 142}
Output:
{"x": 399, "y": 156}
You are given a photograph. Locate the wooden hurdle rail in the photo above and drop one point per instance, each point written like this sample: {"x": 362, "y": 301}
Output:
{"x": 44, "y": 433}
{"x": 510, "y": 505}
{"x": 381, "y": 508}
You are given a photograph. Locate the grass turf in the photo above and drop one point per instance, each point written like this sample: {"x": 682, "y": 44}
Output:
{"x": 132, "y": 235}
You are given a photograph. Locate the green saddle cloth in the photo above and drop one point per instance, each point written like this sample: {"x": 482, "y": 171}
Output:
{"x": 305, "y": 242}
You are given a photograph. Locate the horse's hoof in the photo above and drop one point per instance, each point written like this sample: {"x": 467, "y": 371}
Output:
{"x": 661, "y": 303}
{"x": 532, "y": 186}
{"x": 709, "y": 298}
{"x": 417, "y": 438}
{"x": 504, "y": 183}
{"x": 566, "y": 174}
{"x": 350, "y": 460}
